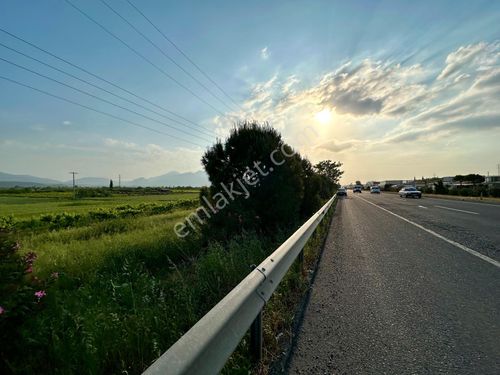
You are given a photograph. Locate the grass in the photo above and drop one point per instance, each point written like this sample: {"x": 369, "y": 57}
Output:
{"x": 23, "y": 206}
{"x": 126, "y": 288}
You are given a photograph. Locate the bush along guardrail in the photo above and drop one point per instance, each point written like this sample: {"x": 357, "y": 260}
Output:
{"x": 68, "y": 219}
{"x": 205, "y": 348}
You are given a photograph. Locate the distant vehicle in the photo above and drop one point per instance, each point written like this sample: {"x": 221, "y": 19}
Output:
{"x": 410, "y": 191}
{"x": 342, "y": 192}
{"x": 375, "y": 190}
{"x": 357, "y": 189}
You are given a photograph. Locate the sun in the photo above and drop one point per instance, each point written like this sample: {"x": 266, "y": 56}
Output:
{"x": 324, "y": 116}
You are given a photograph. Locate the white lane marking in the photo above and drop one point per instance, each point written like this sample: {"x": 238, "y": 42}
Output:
{"x": 460, "y": 246}
{"x": 462, "y": 201}
{"x": 422, "y": 206}
{"x": 454, "y": 209}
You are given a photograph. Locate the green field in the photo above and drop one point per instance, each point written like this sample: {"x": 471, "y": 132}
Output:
{"x": 27, "y": 205}
{"x": 106, "y": 266}
{"x": 120, "y": 287}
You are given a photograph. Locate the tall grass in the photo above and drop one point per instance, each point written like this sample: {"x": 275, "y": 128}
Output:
{"x": 128, "y": 288}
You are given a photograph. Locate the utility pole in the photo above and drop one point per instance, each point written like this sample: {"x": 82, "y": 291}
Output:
{"x": 119, "y": 180}
{"x": 74, "y": 191}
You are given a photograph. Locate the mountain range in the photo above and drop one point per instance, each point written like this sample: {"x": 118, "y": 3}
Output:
{"x": 168, "y": 179}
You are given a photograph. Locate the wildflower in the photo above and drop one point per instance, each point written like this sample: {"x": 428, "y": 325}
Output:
{"x": 16, "y": 246}
{"x": 2, "y": 310}
{"x": 29, "y": 269}
{"x": 30, "y": 258}
{"x": 40, "y": 294}
{"x": 54, "y": 275}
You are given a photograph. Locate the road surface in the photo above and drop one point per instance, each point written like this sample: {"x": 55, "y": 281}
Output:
{"x": 405, "y": 286}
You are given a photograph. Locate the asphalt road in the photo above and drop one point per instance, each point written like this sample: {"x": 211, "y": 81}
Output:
{"x": 416, "y": 293}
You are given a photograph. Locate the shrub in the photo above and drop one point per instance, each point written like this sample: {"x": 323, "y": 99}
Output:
{"x": 494, "y": 192}
{"x": 7, "y": 223}
{"x": 266, "y": 173}
{"x": 92, "y": 193}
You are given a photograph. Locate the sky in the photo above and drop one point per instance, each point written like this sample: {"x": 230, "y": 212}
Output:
{"x": 392, "y": 89}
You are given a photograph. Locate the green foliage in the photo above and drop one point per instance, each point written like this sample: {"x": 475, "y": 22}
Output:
{"x": 67, "y": 219}
{"x": 494, "y": 192}
{"x": 6, "y": 223}
{"x": 472, "y": 178}
{"x": 331, "y": 170}
{"x": 459, "y": 178}
{"x": 275, "y": 186}
{"x": 439, "y": 187}
{"x": 92, "y": 193}
{"x": 126, "y": 287}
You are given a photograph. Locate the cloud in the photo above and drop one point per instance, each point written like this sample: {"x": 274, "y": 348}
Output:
{"x": 376, "y": 103}
{"x": 476, "y": 56}
{"x": 371, "y": 88}
{"x": 66, "y": 122}
{"x": 265, "y": 53}
{"x": 337, "y": 146}
{"x": 120, "y": 144}
{"x": 473, "y": 108}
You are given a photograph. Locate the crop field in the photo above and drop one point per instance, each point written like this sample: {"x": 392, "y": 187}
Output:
{"x": 82, "y": 279}
{"x": 31, "y": 204}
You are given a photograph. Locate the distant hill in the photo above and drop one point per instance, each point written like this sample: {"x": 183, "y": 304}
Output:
{"x": 199, "y": 178}
{"x": 91, "y": 182}
{"x": 10, "y": 184}
{"x": 8, "y": 180}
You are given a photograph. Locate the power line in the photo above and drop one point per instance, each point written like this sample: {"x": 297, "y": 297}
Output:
{"x": 97, "y": 110}
{"x": 101, "y": 99}
{"x": 184, "y": 54}
{"x": 98, "y": 77}
{"x": 86, "y": 15}
{"x": 103, "y": 89}
{"x": 165, "y": 54}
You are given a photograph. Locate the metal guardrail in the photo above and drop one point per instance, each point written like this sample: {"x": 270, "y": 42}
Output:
{"x": 205, "y": 348}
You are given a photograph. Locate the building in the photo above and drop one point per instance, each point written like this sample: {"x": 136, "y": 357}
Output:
{"x": 391, "y": 183}
{"x": 492, "y": 181}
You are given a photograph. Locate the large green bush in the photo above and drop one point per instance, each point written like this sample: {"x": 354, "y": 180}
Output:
{"x": 275, "y": 187}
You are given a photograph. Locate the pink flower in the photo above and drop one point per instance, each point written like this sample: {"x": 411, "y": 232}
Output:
{"x": 40, "y": 294}
{"x": 55, "y": 275}
{"x": 29, "y": 269}
{"x": 2, "y": 310}
{"x": 30, "y": 258}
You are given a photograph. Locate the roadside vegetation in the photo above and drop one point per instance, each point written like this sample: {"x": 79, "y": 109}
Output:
{"x": 99, "y": 282}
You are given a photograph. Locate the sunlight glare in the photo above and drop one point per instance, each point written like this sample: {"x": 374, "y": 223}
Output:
{"x": 324, "y": 116}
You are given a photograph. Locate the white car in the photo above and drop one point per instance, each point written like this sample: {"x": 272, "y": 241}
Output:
{"x": 410, "y": 191}
{"x": 341, "y": 192}
{"x": 375, "y": 190}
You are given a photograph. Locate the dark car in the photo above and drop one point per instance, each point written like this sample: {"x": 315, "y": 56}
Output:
{"x": 357, "y": 189}
{"x": 410, "y": 191}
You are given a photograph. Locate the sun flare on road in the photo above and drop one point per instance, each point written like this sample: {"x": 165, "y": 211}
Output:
{"x": 324, "y": 116}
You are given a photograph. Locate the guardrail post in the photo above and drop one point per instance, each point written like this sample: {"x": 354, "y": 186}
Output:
{"x": 300, "y": 258}
{"x": 256, "y": 338}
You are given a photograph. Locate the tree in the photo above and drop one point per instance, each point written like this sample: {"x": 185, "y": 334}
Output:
{"x": 459, "y": 178}
{"x": 330, "y": 170}
{"x": 358, "y": 182}
{"x": 439, "y": 187}
{"x": 474, "y": 178}
{"x": 257, "y": 182}
{"x": 111, "y": 184}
